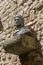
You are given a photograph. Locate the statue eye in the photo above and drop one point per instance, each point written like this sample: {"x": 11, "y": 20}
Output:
{"x": 16, "y": 19}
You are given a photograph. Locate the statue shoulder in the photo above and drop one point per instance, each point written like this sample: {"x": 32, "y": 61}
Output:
{"x": 23, "y": 31}
{"x": 26, "y": 31}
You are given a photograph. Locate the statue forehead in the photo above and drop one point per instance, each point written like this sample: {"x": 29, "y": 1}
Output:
{"x": 18, "y": 17}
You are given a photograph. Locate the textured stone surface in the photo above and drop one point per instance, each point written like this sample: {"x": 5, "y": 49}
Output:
{"x": 32, "y": 11}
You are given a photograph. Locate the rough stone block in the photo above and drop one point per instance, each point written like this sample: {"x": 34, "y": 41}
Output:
{"x": 5, "y": 25}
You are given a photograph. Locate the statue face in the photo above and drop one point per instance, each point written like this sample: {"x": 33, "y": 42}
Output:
{"x": 18, "y": 21}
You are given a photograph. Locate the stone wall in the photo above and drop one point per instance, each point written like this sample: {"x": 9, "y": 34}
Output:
{"x": 32, "y": 11}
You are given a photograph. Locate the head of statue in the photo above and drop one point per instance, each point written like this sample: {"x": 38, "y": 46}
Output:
{"x": 19, "y": 21}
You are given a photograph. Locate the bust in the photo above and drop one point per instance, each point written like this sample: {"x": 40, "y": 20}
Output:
{"x": 23, "y": 43}
{"x": 23, "y": 40}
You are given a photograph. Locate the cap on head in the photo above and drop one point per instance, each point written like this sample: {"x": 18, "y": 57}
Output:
{"x": 19, "y": 20}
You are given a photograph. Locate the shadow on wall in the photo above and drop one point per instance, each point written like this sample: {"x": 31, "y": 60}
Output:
{"x": 1, "y": 26}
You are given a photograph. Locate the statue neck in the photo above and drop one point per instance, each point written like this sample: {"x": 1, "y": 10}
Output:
{"x": 16, "y": 28}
